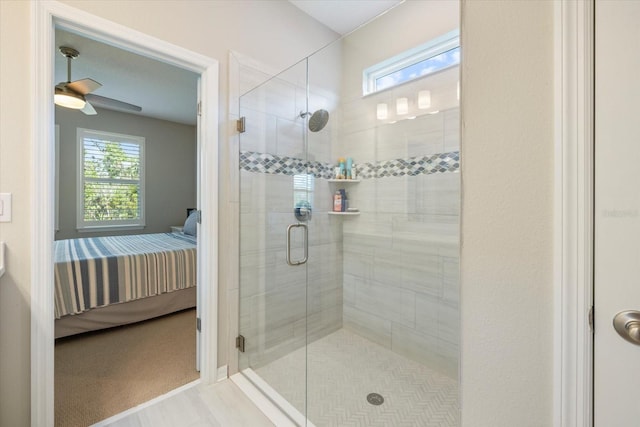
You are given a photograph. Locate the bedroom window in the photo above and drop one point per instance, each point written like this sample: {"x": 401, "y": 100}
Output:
{"x": 110, "y": 180}
{"x": 431, "y": 57}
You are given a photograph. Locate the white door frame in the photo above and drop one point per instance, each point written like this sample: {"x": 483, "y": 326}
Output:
{"x": 44, "y": 15}
{"x": 573, "y": 216}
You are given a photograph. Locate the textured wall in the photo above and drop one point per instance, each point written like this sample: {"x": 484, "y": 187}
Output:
{"x": 507, "y": 221}
{"x": 15, "y": 285}
{"x": 170, "y": 168}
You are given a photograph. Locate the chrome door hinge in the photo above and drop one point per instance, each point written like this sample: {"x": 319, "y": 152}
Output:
{"x": 591, "y": 319}
{"x": 240, "y": 343}
{"x": 240, "y": 124}
{"x": 198, "y": 324}
{"x": 199, "y": 108}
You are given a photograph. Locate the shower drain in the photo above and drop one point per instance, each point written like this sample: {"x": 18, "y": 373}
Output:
{"x": 375, "y": 399}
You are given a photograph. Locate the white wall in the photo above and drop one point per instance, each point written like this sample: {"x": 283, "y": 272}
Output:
{"x": 258, "y": 28}
{"x": 507, "y": 184}
{"x": 14, "y": 178}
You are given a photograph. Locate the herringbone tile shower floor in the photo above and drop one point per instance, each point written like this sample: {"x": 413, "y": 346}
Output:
{"x": 344, "y": 367}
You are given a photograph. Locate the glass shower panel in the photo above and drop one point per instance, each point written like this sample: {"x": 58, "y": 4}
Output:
{"x": 275, "y": 196}
{"x": 366, "y": 331}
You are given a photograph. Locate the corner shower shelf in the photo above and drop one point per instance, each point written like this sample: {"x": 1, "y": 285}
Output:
{"x": 344, "y": 181}
{"x": 344, "y": 213}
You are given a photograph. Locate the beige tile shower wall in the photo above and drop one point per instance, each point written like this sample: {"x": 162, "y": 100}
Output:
{"x": 283, "y": 307}
{"x": 401, "y": 262}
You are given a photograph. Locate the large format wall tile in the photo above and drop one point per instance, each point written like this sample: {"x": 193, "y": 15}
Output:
{"x": 426, "y": 349}
{"x": 392, "y": 303}
{"x": 367, "y": 325}
{"x": 401, "y": 254}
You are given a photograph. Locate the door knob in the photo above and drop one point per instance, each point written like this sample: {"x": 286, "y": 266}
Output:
{"x": 627, "y": 324}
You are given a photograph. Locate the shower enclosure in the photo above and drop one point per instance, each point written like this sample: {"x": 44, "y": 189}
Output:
{"x": 352, "y": 317}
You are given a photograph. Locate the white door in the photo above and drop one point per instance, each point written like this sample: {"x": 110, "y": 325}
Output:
{"x": 617, "y": 211}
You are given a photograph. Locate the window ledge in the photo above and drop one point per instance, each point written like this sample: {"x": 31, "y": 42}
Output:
{"x": 99, "y": 228}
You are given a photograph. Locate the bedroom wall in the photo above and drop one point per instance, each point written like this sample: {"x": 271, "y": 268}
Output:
{"x": 170, "y": 163}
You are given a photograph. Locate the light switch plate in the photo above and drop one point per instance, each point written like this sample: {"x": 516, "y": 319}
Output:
{"x": 5, "y": 207}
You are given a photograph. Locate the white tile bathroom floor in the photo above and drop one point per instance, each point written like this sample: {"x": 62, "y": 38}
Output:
{"x": 221, "y": 404}
{"x": 344, "y": 368}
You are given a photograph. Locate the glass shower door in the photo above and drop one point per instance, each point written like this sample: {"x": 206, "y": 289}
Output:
{"x": 275, "y": 209}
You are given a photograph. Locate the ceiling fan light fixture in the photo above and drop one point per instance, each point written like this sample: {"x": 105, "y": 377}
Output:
{"x": 68, "y": 99}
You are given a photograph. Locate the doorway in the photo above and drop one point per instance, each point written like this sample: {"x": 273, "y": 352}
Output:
{"x": 47, "y": 16}
{"x": 126, "y": 180}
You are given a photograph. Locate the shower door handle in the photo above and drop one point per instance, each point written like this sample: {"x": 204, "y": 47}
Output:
{"x": 306, "y": 244}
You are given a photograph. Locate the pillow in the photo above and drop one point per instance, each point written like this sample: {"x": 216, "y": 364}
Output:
{"x": 191, "y": 224}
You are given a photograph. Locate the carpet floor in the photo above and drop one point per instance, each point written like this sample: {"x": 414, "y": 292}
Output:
{"x": 100, "y": 374}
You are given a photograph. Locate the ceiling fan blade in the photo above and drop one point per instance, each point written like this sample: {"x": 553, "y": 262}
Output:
{"x": 84, "y": 86}
{"x": 113, "y": 104}
{"x": 89, "y": 110}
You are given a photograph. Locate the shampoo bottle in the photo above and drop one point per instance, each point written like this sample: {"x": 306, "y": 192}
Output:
{"x": 343, "y": 172}
{"x": 337, "y": 201}
{"x": 349, "y": 168}
{"x": 343, "y": 200}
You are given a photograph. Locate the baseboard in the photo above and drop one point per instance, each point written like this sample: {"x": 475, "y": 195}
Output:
{"x": 223, "y": 373}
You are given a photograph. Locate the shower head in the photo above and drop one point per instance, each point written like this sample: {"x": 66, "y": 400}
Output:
{"x": 318, "y": 120}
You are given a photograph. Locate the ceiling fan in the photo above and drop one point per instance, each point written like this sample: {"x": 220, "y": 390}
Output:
{"x": 77, "y": 94}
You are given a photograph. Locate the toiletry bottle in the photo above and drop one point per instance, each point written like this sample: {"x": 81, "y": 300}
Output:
{"x": 337, "y": 201}
{"x": 349, "y": 166}
{"x": 354, "y": 172}
{"x": 342, "y": 169}
{"x": 343, "y": 200}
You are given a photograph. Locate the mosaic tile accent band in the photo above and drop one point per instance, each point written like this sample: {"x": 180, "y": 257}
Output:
{"x": 251, "y": 161}
{"x": 421, "y": 165}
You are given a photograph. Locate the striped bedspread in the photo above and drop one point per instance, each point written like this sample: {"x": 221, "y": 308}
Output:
{"x": 98, "y": 271}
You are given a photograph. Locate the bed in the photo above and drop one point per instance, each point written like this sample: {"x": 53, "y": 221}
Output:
{"x": 102, "y": 282}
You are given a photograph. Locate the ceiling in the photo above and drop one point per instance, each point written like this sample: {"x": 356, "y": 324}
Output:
{"x": 163, "y": 91}
{"x": 344, "y": 16}
{"x": 167, "y": 92}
